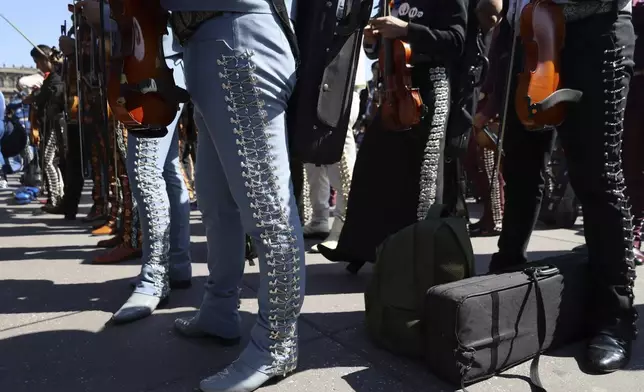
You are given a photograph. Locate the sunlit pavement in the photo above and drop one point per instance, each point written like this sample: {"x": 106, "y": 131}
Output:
{"x": 54, "y": 305}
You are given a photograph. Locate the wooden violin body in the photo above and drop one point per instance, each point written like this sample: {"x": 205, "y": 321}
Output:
{"x": 401, "y": 105}
{"x": 34, "y": 135}
{"x": 141, "y": 89}
{"x": 540, "y": 101}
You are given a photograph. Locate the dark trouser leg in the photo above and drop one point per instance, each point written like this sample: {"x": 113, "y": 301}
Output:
{"x": 631, "y": 153}
{"x": 526, "y": 155}
{"x": 97, "y": 160}
{"x": 74, "y": 179}
{"x": 591, "y": 138}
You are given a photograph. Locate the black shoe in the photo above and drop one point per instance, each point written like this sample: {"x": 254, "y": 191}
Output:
{"x": 607, "y": 352}
{"x": 53, "y": 209}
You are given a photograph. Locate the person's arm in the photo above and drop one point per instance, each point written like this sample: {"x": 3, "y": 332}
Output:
{"x": 52, "y": 89}
{"x": 445, "y": 38}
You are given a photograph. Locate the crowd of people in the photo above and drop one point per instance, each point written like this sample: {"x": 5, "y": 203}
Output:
{"x": 226, "y": 154}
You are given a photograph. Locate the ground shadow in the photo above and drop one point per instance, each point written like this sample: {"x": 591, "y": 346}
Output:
{"x": 76, "y": 252}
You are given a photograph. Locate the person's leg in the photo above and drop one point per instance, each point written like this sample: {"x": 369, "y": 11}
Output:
{"x": 179, "y": 199}
{"x": 3, "y": 175}
{"x": 340, "y": 175}
{"x": 254, "y": 77}
{"x": 96, "y": 146}
{"x": 526, "y": 154}
{"x": 145, "y": 171}
{"x": 319, "y": 192}
{"x": 75, "y": 180}
{"x": 592, "y": 140}
{"x": 51, "y": 172}
{"x": 633, "y": 162}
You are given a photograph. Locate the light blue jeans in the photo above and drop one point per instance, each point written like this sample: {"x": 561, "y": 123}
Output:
{"x": 163, "y": 203}
{"x": 240, "y": 73}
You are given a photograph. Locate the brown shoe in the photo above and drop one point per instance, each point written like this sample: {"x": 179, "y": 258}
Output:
{"x": 99, "y": 223}
{"x": 107, "y": 229}
{"x": 116, "y": 255}
{"x": 110, "y": 242}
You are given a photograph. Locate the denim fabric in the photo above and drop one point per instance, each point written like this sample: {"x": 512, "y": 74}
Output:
{"x": 154, "y": 166}
{"x": 240, "y": 73}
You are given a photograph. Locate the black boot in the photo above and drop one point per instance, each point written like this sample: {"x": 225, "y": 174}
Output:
{"x": 499, "y": 262}
{"x": 608, "y": 351}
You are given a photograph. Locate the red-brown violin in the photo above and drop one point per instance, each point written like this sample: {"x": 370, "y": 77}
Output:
{"x": 141, "y": 89}
{"x": 401, "y": 105}
{"x": 540, "y": 101}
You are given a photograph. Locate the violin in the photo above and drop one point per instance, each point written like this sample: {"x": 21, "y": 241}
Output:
{"x": 140, "y": 88}
{"x": 540, "y": 101}
{"x": 34, "y": 135}
{"x": 401, "y": 106}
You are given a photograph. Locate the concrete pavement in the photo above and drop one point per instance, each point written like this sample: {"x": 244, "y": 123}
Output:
{"x": 54, "y": 304}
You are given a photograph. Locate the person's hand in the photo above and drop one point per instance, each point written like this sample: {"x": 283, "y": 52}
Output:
{"x": 488, "y": 13}
{"x": 91, "y": 11}
{"x": 66, "y": 45}
{"x": 479, "y": 121}
{"x": 389, "y": 27}
{"x": 369, "y": 36}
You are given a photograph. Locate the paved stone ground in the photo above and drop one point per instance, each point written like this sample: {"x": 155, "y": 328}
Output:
{"x": 54, "y": 304}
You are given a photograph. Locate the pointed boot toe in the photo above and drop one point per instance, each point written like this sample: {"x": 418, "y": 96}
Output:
{"x": 188, "y": 327}
{"x": 607, "y": 353}
{"x": 237, "y": 377}
{"x": 110, "y": 242}
{"x": 104, "y": 230}
{"x": 137, "y": 307}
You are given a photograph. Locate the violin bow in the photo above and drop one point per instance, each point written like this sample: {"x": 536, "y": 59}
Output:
{"x": 23, "y": 35}
{"x": 508, "y": 85}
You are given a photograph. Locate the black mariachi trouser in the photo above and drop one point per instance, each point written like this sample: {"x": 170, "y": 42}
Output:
{"x": 598, "y": 60}
{"x": 73, "y": 169}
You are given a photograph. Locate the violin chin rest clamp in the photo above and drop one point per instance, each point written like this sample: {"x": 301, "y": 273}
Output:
{"x": 554, "y": 99}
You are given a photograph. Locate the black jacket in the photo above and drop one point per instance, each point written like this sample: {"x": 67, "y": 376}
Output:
{"x": 436, "y": 29}
{"x": 50, "y": 96}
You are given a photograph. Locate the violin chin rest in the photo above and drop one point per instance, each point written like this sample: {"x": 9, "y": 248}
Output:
{"x": 170, "y": 92}
{"x": 148, "y": 132}
{"x": 554, "y": 99}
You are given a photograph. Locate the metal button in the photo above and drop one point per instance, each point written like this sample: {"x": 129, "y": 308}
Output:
{"x": 325, "y": 87}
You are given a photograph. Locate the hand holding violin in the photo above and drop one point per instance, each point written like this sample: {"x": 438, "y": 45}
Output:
{"x": 385, "y": 27}
{"x": 66, "y": 45}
